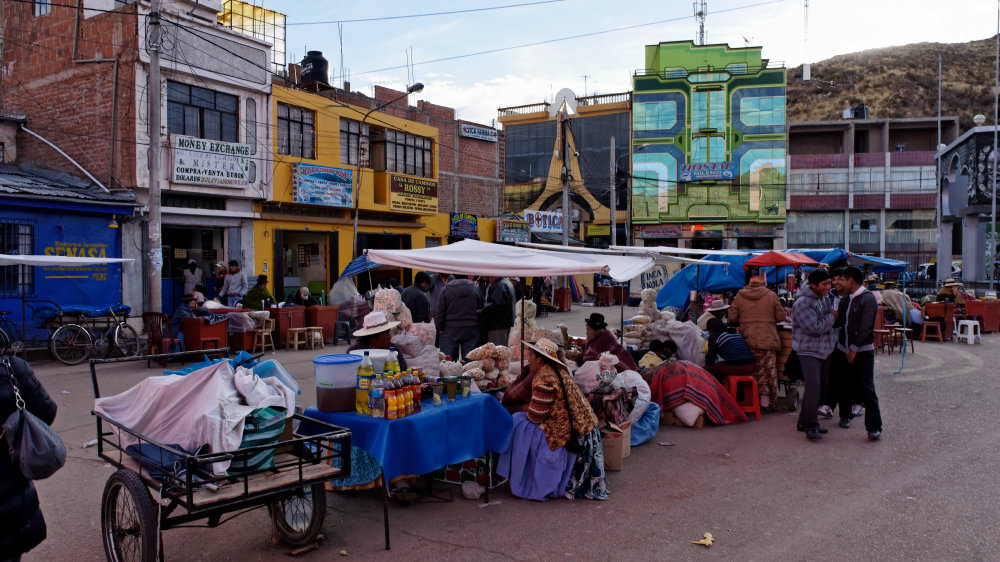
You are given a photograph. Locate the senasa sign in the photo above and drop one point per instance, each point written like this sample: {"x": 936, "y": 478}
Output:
{"x": 707, "y": 171}
{"x": 544, "y": 221}
{"x": 476, "y": 132}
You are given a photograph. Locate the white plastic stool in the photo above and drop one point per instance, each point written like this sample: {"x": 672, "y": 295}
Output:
{"x": 968, "y": 330}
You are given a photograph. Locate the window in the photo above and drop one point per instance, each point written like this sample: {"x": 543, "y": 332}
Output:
{"x": 768, "y": 110}
{"x": 408, "y": 154}
{"x": 15, "y": 280}
{"x": 708, "y": 110}
{"x": 42, "y": 7}
{"x": 652, "y": 116}
{"x": 708, "y": 149}
{"x": 296, "y": 131}
{"x": 202, "y": 113}
{"x": 354, "y": 143}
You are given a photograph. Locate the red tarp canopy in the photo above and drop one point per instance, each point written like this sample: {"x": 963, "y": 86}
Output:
{"x": 773, "y": 258}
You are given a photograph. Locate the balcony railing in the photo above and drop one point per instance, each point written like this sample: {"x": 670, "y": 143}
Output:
{"x": 600, "y": 99}
{"x": 523, "y": 109}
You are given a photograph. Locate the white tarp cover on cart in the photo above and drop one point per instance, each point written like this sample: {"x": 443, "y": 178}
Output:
{"x": 15, "y": 259}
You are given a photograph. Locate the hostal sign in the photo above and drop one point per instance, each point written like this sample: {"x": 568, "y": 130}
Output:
{"x": 210, "y": 162}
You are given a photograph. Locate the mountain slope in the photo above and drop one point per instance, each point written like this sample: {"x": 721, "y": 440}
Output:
{"x": 898, "y": 82}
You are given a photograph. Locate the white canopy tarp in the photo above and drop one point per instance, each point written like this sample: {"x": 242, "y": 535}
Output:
{"x": 472, "y": 257}
{"x": 55, "y": 261}
{"x": 659, "y": 258}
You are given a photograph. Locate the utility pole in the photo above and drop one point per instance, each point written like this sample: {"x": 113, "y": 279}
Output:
{"x": 613, "y": 206}
{"x": 993, "y": 200}
{"x": 153, "y": 221}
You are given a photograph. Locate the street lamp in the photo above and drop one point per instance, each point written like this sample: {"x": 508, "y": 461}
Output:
{"x": 414, "y": 88}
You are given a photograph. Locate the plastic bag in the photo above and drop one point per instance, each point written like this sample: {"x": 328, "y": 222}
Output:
{"x": 343, "y": 291}
{"x": 427, "y": 361}
{"x": 632, "y": 379}
{"x": 409, "y": 344}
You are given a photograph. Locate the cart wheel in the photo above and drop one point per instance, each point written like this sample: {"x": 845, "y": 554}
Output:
{"x": 299, "y": 519}
{"x": 70, "y": 344}
{"x": 128, "y": 519}
{"x": 126, "y": 341}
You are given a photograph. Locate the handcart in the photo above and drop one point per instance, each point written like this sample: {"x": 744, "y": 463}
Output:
{"x": 158, "y": 486}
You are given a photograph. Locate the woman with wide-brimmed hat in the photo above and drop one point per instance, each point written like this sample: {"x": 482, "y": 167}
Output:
{"x": 600, "y": 339}
{"x": 555, "y": 448}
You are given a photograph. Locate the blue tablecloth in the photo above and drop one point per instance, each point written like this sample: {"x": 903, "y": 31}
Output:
{"x": 423, "y": 442}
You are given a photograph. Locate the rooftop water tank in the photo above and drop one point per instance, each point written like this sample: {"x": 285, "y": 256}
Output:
{"x": 315, "y": 68}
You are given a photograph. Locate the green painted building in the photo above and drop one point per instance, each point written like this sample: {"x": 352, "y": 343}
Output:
{"x": 708, "y": 147}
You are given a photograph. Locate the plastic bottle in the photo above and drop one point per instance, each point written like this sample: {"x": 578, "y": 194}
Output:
{"x": 416, "y": 392}
{"x": 391, "y": 399}
{"x": 377, "y": 397}
{"x": 361, "y": 393}
{"x": 392, "y": 361}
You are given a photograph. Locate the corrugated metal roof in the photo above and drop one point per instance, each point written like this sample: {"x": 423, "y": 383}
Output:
{"x": 36, "y": 182}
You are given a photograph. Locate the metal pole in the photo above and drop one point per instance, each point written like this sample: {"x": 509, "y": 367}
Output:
{"x": 567, "y": 223}
{"x": 613, "y": 206}
{"x": 937, "y": 182}
{"x": 993, "y": 200}
{"x": 153, "y": 89}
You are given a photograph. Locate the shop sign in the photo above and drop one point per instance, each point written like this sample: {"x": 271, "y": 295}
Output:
{"x": 660, "y": 231}
{"x": 706, "y": 171}
{"x": 488, "y": 134}
{"x": 413, "y": 195}
{"x": 654, "y": 278}
{"x": 704, "y": 231}
{"x": 210, "y": 162}
{"x": 464, "y": 225}
{"x": 509, "y": 230}
{"x": 598, "y": 230}
{"x": 322, "y": 185}
{"x": 544, "y": 221}
{"x": 753, "y": 231}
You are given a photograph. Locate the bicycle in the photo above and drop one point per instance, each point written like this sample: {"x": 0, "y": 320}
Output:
{"x": 74, "y": 342}
{"x": 10, "y": 342}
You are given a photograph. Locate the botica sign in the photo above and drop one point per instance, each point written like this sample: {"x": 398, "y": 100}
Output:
{"x": 210, "y": 162}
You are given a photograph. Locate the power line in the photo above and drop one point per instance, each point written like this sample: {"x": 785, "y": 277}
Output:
{"x": 567, "y": 38}
{"x": 384, "y": 18}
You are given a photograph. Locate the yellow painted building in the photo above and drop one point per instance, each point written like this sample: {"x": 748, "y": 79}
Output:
{"x": 325, "y": 162}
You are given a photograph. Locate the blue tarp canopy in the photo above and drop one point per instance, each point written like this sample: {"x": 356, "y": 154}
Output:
{"x": 717, "y": 279}
{"x": 359, "y": 265}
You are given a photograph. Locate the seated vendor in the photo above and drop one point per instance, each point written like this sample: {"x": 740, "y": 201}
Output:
{"x": 951, "y": 291}
{"x": 376, "y": 333}
{"x": 259, "y": 297}
{"x": 517, "y": 397}
{"x": 718, "y": 309}
{"x": 302, "y": 297}
{"x": 659, "y": 351}
{"x": 726, "y": 351}
{"x": 599, "y": 340}
{"x": 188, "y": 309}
{"x": 539, "y": 463}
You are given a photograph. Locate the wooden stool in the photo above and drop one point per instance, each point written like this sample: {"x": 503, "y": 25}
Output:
{"x": 296, "y": 336}
{"x": 902, "y": 335}
{"x": 314, "y": 335}
{"x": 262, "y": 336}
{"x": 751, "y": 399}
{"x": 883, "y": 340}
{"x": 932, "y": 327}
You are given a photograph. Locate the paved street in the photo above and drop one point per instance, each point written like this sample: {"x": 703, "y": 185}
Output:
{"x": 925, "y": 492}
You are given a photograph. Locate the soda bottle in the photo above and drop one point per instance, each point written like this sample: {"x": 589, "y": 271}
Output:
{"x": 416, "y": 392}
{"x": 361, "y": 392}
{"x": 377, "y": 397}
{"x": 391, "y": 400}
{"x": 412, "y": 394}
{"x": 392, "y": 361}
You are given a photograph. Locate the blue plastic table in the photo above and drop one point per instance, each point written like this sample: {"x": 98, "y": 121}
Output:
{"x": 423, "y": 442}
{"x": 438, "y": 435}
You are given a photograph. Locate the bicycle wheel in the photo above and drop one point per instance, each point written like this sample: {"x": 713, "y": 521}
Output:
{"x": 71, "y": 344}
{"x": 128, "y": 519}
{"x": 126, "y": 340}
{"x": 299, "y": 518}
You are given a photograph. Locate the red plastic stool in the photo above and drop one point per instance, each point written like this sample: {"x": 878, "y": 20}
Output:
{"x": 751, "y": 401}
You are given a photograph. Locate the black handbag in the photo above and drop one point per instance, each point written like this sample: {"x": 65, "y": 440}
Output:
{"x": 575, "y": 443}
{"x": 34, "y": 446}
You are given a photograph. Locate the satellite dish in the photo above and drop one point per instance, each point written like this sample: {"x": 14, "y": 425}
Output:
{"x": 563, "y": 96}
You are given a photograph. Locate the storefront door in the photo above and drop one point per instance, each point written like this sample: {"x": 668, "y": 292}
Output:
{"x": 304, "y": 259}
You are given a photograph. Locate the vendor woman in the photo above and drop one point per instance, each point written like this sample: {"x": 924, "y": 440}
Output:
{"x": 376, "y": 333}
{"x": 599, "y": 340}
{"x": 539, "y": 463}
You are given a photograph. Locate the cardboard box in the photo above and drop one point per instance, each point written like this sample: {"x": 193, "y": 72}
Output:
{"x": 617, "y": 441}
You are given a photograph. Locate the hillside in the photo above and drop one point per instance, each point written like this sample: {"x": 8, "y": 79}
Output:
{"x": 898, "y": 82}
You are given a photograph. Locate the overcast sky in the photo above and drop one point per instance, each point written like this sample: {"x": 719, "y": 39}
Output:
{"x": 477, "y": 85}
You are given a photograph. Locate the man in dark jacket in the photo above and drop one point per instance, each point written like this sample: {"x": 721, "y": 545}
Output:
{"x": 415, "y": 298}
{"x": 498, "y": 315}
{"x": 22, "y": 526}
{"x": 856, "y": 338}
{"x": 457, "y": 316}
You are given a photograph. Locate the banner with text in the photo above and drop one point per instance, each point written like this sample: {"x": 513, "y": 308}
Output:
{"x": 322, "y": 185}
{"x": 544, "y": 221}
{"x": 210, "y": 162}
{"x": 706, "y": 171}
{"x": 413, "y": 195}
{"x": 510, "y": 230}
